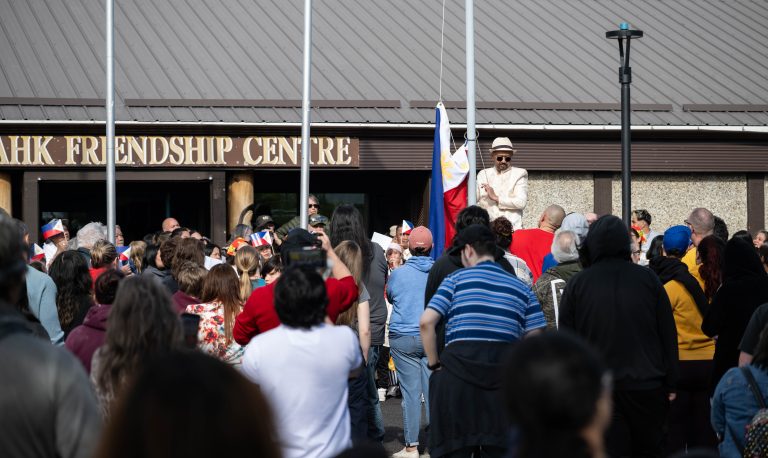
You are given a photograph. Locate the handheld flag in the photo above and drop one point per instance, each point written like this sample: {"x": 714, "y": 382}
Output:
{"x": 407, "y": 227}
{"x": 124, "y": 252}
{"x": 36, "y": 252}
{"x": 237, "y": 243}
{"x": 448, "y": 192}
{"x": 262, "y": 238}
{"x": 55, "y": 227}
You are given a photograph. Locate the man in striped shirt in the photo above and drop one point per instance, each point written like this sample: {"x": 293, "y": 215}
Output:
{"x": 486, "y": 309}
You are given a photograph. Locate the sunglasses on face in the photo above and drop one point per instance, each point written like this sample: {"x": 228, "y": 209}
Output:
{"x": 314, "y": 205}
{"x": 503, "y": 158}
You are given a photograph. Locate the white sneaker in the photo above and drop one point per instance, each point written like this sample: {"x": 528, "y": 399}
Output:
{"x": 382, "y": 394}
{"x": 404, "y": 453}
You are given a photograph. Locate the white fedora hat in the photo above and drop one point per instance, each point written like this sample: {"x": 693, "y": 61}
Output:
{"x": 502, "y": 144}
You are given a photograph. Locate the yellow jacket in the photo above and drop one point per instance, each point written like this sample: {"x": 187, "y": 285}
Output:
{"x": 692, "y": 344}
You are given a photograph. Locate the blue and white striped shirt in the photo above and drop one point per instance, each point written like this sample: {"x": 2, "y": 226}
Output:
{"x": 486, "y": 303}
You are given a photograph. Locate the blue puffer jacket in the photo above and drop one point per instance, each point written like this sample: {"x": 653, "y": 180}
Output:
{"x": 733, "y": 407}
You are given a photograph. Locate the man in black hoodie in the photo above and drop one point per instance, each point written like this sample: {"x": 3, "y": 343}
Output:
{"x": 623, "y": 310}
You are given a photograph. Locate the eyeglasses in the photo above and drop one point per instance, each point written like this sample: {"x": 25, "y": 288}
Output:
{"x": 637, "y": 252}
{"x": 314, "y": 205}
{"x": 503, "y": 158}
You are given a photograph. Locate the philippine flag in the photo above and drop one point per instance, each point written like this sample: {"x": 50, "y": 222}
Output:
{"x": 407, "y": 227}
{"x": 448, "y": 193}
{"x": 36, "y": 253}
{"x": 261, "y": 239}
{"x": 124, "y": 252}
{"x": 55, "y": 227}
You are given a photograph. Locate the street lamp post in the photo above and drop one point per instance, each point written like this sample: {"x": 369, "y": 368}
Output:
{"x": 625, "y": 36}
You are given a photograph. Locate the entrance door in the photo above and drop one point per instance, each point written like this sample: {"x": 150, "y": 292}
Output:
{"x": 144, "y": 199}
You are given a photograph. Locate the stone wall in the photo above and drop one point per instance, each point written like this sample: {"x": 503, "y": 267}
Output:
{"x": 671, "y": 197}
{"x": 668, "y": 197}
{"x": 572, "y": 191}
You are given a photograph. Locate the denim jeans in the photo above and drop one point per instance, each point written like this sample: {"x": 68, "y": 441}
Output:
{"x": 375, "y": 419}
{"x": 413, "y": 375}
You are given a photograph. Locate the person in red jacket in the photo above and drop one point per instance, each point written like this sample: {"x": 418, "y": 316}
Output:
{"x": 531, "y": 245}
{"x": 259, "y": 313}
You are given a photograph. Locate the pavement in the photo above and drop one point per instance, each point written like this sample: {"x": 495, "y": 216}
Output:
{"x": 392, "y": 414}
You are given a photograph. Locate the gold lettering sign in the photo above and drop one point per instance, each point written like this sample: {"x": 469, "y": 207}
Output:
{"x": 176, "y": 151}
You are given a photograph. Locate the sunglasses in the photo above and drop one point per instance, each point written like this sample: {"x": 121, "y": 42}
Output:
{"x": 503, "y": 158}
{"x": 314, "y": 205}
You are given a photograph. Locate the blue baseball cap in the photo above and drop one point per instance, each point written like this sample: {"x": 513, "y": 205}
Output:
{"x": 677, "y": 238}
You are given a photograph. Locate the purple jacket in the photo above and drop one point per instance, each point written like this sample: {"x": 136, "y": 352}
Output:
{"x": 85, "y": 339}
{"x": 182, "y": 300}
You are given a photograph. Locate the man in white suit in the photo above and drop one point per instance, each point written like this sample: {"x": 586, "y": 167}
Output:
{"x": 503, "y": 189}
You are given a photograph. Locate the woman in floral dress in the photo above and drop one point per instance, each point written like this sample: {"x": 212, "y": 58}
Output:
{"x": 221, "y": 304}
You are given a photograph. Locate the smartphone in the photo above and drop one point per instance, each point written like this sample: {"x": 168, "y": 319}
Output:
{"x": 309, "y": 256}
{"x": 190, "y": 323}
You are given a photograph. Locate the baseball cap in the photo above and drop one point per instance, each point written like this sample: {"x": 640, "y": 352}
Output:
{"x": 263, "y": 220}
{"x": 316, "y": 220}
{"x": 471, "y": 234}
{"x": 420, "y": 237}
{"x": 677, "y": 238}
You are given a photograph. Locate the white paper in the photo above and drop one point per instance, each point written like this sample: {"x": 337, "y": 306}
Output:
{"x": 210, "y": 262}
{"x": 382, "y": 240}
{"x": 50, "y": 252}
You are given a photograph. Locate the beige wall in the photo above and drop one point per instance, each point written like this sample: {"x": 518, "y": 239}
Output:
{"x": 572, "y": 191}
{"x": 670, "y": 197}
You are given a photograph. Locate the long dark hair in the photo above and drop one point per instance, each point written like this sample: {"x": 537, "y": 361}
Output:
{"x": 221, "y": 285}
{"x": 142, "y": 324}
{"x": 69, "y": 272}
{"x": 150, "y": 253}
{"x": 552, "y": 385}
{"x": 347, "y": 224}
{"x": 172, "y": 404}
{"x": 710, "y": 252}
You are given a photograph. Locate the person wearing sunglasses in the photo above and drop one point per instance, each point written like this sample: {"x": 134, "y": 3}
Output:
{"x": 314, "y": 209}
{"x": 502, "y": 189}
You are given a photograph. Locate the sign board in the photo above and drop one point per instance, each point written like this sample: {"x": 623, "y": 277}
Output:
{"x": 176, "y": 151}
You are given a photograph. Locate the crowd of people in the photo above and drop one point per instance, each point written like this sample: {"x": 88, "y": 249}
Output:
{"x": 581, "y": 337}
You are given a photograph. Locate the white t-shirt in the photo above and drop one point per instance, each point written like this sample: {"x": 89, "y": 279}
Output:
{"x": 303, "y": 373}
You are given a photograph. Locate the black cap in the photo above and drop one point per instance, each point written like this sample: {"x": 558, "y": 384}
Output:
{"x": 299, "y": 238}
{"x": 263, "y": 220}
{"x": 471, "y": 234}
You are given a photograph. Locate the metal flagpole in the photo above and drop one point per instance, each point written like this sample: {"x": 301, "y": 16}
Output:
{"x": 305, "y": 106}
{"x": 110, "y": 123}
{"x": 471, "y": 134}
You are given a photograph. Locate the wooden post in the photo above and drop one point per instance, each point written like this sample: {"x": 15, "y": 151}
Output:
{"x": 239, "y": 196}
{"x": 5, "y": 192}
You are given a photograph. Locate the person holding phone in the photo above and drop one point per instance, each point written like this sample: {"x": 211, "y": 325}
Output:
{"x": 300, "y": 247}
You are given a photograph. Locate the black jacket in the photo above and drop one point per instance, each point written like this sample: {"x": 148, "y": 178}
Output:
{"x": 623, "y": 310}
{"x": 744, "y": 288}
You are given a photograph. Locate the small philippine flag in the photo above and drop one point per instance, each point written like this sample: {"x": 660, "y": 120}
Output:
{"x": 407, "y": 227}
{"x": 124, "y": 252}
{"x": 55, "y": 227}
{"x": 36, "y": 253}
{"x": 261, "y": 239}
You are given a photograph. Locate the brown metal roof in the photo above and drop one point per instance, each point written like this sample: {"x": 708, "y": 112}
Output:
{"x": 189, "y": 61}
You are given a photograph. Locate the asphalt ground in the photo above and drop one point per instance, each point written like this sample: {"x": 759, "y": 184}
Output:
{"x": 392, "y": 414}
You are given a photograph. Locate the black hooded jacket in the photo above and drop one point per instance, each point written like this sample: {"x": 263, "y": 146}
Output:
{"x": 744, "y": 288}
{"x": 623, "y": 310}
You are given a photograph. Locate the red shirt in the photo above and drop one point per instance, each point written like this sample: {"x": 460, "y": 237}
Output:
{"x": 531, "y": 245}
{"x": 259, "y": 314}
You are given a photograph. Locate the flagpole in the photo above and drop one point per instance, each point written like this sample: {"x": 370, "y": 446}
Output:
{"x": 471, "y": 134}
{"x": 110, "y": 107}
{"x": 305, "y": 107}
